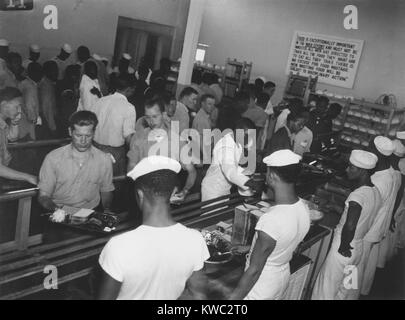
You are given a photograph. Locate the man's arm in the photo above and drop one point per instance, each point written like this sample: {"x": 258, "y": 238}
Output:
{"x": 11, "y": 174}
{"x": 109, "y": 288}
{"x": 106, "y": 199}
{"x": 47, "y": 202}
{"x": 398, "y": 201}
{"x": 262, "y": 250}
{"x": 13, "y": 132}
{"x": 349, "y": 229}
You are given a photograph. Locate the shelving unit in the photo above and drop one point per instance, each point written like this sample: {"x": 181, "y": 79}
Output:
{"x": 300, "y": 87}
{"x": 237, "y": 75}
{"x": 219, "y": 70}
{"x": 360, "y": 121}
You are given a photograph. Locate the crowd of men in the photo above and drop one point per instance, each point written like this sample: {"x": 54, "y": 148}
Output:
{"x": 115, "y": 119}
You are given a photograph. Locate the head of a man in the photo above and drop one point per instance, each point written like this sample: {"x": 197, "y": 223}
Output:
{"x": 383, "y": 148}
{"x": 269, "y": 87}
{"x": 51, "y": 71}
{"x": 143, "y": 71}
{"x": 262, "y": 100}
{"x": 11, "y": 102}
{"x": 125, "y": 85}
{"x": 284, "y": 175}
{"x": 361, "y": 165}
{"x": 170, "y": 104}
{"x": 208, "y": 103}
{"x": 91, "y": 69}
{"x": 72, "y": 73}
{"x": 297, "y": 121}
{"x": 82, "y": 126}
{"x": 65, "y": 52}
{"x": 155, "y": 188}
{"x": 34, "y": 53}
{"x": 322, "y": 105}
{"x": 35, "y": 72}
{"x": 154, "y": 109}
{"x": 334, "y": 110}
{"x": 123, "y": 65}
{"x": 83, "y": 54}
{"x": 242, "y": 101}
{"x": 259, "y": 84}
{"x": 189, "y": 97}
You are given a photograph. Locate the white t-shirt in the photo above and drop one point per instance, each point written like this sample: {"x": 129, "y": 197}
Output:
{"x": 154, "y": 263}
{"x": 369, "y": 199}
{"x": 288, "y": 225}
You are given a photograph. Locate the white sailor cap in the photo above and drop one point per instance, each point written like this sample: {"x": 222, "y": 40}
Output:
{"x": 104, "y": 59}
{"x": 126, "y": 56}
{"x": 96, "y": 57}
{"x": 399, "y": 148}
{"x": 363, "y": 159}
{"x": 262, "y": 78}
{"x": 384, "y": 145}
{"x": 153, "y": 163}
{"x": 282, "y": 158}
{"x": 34, "y": 48}
{"x": 67, "y": 48}
{"x": 3, "y": 43}
{"x": 401, "y": 135}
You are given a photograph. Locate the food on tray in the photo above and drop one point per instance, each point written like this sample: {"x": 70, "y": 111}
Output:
{"x": 58, "y": 216}
{"x": 218, "y": 247}
{"x": 315, "y": 215}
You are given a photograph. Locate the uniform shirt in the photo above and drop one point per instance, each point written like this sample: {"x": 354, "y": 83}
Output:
{"x": 257, "y": 115}
{"x": 116, "y": 120}
{"x": 387, "y": 182}
{"x": 29, "y": 90}
{"x": 201, "y": 121}
{"x": 216, "y": 88}
{"x": 47, "y": 98}
{"x": 154, "y": 263}
{"x": 62, "y": 179}
{"x": 181, "y": 115}
{"x": 87, "y": 99}
{"x": 224, "y": 169}
{"x": 288, "y": 225}
{"x": 5, "y": 156}
{"x": 369, "y": 199}
{"x": 302, "y": 141}
{"x": 7, "y": 78}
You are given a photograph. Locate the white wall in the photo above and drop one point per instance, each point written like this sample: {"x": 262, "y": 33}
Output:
{"x": 88, "y": 22}
{"x": 261, "y": 31}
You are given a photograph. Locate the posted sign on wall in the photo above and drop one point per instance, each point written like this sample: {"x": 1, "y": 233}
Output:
{"x": 334, "y": 60}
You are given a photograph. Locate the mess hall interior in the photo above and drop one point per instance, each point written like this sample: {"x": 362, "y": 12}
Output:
{"x": 202, "y": 150}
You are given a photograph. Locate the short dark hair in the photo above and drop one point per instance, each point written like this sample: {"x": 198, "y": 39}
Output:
{"x": 334, "y": 109}
{"x": 294, "y": 116}
{"x": 49, "y": 66}
{"x": 269, "y": 85}
{"x": 207, "y": 96}
{"x": 13, "y": 55}
{"x": 157, "y": 100}
{"x": 259, "y": 83}
{"x": 323, "y": 100}
{"x": 9, "y": 93}
{"x": 88, "y": 65}
{"x": 288, "y": 174}
{"x": 124, "y": 81}
{"x": 35, "y": 68}
{"x": 83, "y": 118}
{"x": 159, "y": 183}
{"x": 187, "y": 92}
{"x": 262, "y": 99}
{"x": 83, "y": 52}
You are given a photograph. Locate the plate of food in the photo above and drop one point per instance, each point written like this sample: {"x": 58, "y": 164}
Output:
{"x": 315, "y": 215}
{"x": 219, "y": 248}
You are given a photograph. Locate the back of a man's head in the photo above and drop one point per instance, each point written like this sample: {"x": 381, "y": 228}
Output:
{"x": 124, "y": 82}
{"x": 157, "y": 185}
{"x": 262, "y": 99}
{"x": 287, "y": 174}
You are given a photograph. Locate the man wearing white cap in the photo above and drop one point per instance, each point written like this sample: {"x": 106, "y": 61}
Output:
{"x": 62, "y": 59}
{"x": 278, "y": 233}
{"x": 387, "y": 182}
{"x": 34, "y": 54}
{"x": 7, "y": 78}
{"x": 122, "y": 68}
{"x": 347, "y": 247}
{"x": 398, "y": 223}
{"x": 157, "y": 260}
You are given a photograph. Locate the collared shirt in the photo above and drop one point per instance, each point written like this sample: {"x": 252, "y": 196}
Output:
{"x": 116, "y": 120}
{"x": 63, "y": 179}
{"x": 7, "y": 78}
{"x": 302, "y": 141}
{"x": 5, "y": 156}
{"x": 29, "y": 90}
{"x": 181, "y": 115}
{"x": 47, "y": 99}
{"x": 163, "y": 141}
{"x": 87, "y": 99}
{"x": 282, "y": 119}
{"x": 201, "y": 121}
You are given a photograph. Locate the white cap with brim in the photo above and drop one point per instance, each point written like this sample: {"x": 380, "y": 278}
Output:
{"x": 3, "y": 43}
{"x": 401, "y": 135}
{"x": 399, "y": 148}
{"x": 34, "y": 48}
{"x": 152, "y": 164}
{"x": 67, "y": 48}
{"x": 384, "y": 145}
{"x": 96, "y": 57}
{"x": 282, "y": 158}
{"x": 363, "y": 159}
{"x": 126, "y": 56}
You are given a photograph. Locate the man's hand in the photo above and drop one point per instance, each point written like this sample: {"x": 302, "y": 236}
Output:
{"x": 255, "y": 185}
{"x": 180, "y": 197}
{"x": 239, "y": 250}
{"x": 31, "y": 179}
{"x": 96, "y": 92}
{"x": 345, "y": 251}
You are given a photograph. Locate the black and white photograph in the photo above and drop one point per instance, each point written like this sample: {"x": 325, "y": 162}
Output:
{"x": 202, "y": 153}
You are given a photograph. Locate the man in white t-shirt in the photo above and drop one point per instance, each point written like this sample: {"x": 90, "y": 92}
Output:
{"x": 347, "y": 248}
{"x": 161, "y": 258}
{"x": 278, "y": 233}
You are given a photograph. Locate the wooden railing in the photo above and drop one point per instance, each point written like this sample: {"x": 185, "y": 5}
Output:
{"x": 38, "y": 144}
